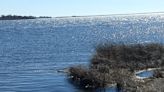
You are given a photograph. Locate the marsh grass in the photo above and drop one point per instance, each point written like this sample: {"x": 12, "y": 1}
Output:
{"x": 116, "y": 63}
{"x": 135, "y": 56}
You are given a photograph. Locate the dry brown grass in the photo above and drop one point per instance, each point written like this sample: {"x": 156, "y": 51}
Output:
{"x": 136, "y": 56}
{"x": 115, "y": 64}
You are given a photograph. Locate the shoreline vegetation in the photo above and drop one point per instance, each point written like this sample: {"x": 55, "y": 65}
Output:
{"x": 17, "y": 17}
{"x": 116, "y": 65}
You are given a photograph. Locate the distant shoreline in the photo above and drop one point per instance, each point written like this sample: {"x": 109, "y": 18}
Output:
{"x": 124, "y": 14}
{"x": 17, "y": 17}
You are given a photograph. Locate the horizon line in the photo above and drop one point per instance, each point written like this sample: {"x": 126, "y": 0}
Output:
{"x": 114, "y": 14}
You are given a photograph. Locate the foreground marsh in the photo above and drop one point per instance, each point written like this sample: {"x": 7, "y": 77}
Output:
{"x": 116, "y": 65}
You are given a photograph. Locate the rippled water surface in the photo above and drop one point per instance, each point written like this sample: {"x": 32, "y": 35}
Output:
{"x": 31, "y": 51}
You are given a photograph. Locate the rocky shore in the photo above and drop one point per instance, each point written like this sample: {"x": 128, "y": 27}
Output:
{"x": 116, "y": 65}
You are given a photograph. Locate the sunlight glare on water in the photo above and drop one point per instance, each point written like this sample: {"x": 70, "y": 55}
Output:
{"x": 31, "y": 51}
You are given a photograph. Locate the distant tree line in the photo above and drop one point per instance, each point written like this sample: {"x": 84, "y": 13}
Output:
{"x": 44, "y": 17}
{"x": 16, "y": 17}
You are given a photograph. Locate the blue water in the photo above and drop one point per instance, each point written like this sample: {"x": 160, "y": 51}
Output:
{"x": 146, "y": 74}
{"x": 31, "y": 51}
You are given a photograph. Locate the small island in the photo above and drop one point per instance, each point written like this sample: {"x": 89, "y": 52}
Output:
{"x": 17, "y": 17}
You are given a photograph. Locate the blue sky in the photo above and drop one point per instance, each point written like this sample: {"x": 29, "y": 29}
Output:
{"x": 78, "y": 7}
